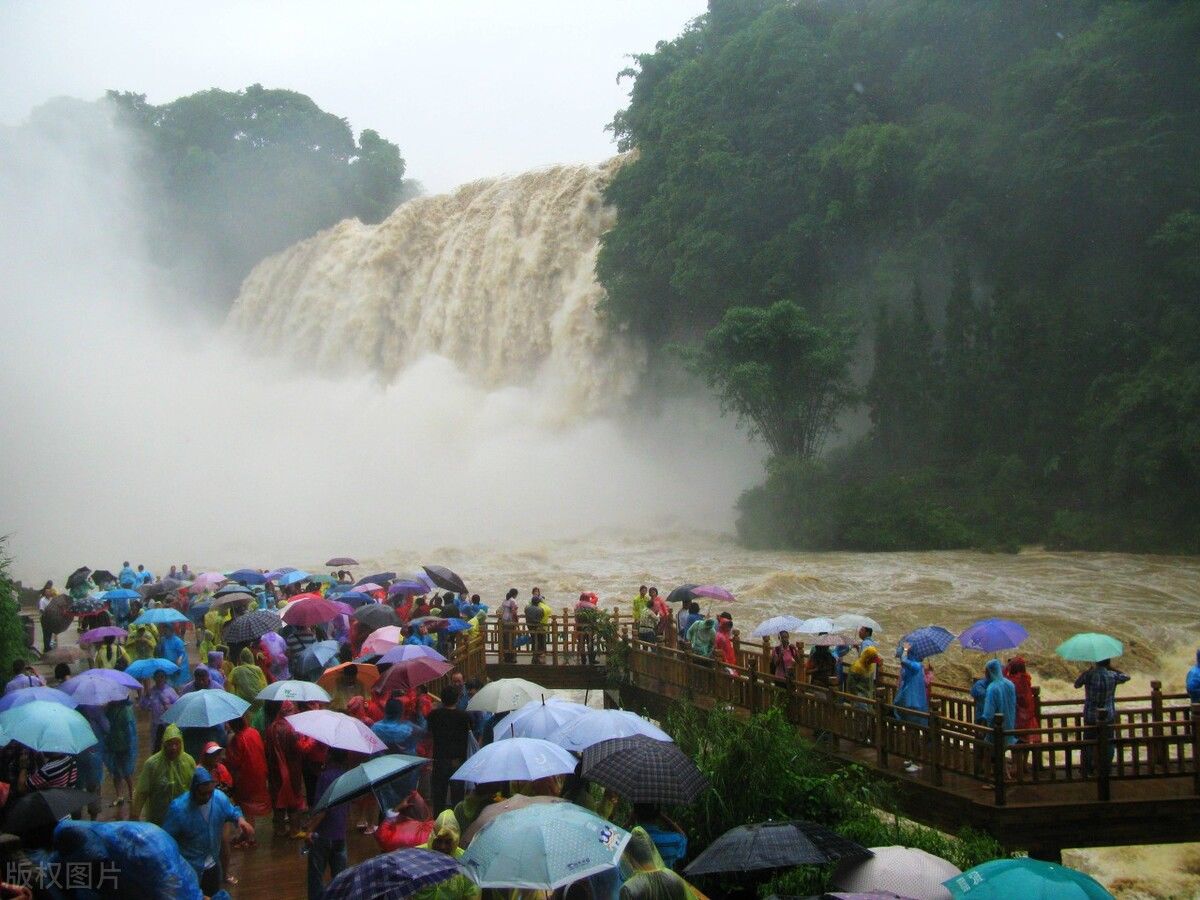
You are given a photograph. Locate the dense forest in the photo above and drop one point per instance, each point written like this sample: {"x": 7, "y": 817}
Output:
{"x": 998, "y": 202}
{"x": 234, "y": 176}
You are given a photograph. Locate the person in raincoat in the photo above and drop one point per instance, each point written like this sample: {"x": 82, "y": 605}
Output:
{"x": 120, "y": 744}
{"x": 247, "y": 679}
{"x": 860, "y": 679}
{"x": 285, "y": 777}
{"x": 999, "y": 697}
{"x": 91, "y": 760}
{"x": 197, "y": 820}
{"x": 701, "y": 635}
{"x": 274, "y": 661}
{"x": 645, "y": 875}
{"x": 246, "y": 757}
{"x": 129, "y": 859}
{"x": 157, "y": 700}
{"x": 172, "y": 648}
{"x": 109, "y": 654}
{"x": 444, "y": 839}
{"x": 910, "y": 696}
{"x": 1027, "y": 716}
{"x": 215, "y": 664}
{"x": 163, "y": 777}
{"x": 1193, "y": 680}
{"x": 141, "y": 642}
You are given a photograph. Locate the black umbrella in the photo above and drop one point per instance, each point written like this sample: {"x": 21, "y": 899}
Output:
{"x": 643, "y": 770}
{"x": 233, "y": 589}
{"x": 42, "y": 808}
{"x": 153, "y": 589}
{"x": 78, "y": 577}
{"x": 232, "y": 598}
{"x": 774, "y": 845}
{"x": 101, "y": 576}
{"x": 376, "y": 616}
{"x": 171, "y": 584}
{"x": 379, "y": 578}
{"x": 251, "y": 626}
{"x": 445, "y": 579}
{"x": 58, "y": 614}
{"x": 341, "y": 561}
{"x": 683, "y": 594}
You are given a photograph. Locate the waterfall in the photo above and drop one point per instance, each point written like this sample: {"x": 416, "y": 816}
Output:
{"x": 497, "y": 277}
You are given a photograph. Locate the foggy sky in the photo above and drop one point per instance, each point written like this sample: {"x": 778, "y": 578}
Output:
{"x": 466, "y": 89}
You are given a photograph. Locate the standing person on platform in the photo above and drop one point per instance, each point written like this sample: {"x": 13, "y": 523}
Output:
{"x": 197, "y": 820}
{"x": 44, "y": 597}
{"x": 537, "y": 615}
{"x": 1027, "y": 716}
{"x": 247, "y": 761}
{"x": 285, "y": 773}
{"x": 784, "y": 658}
{"x": 157, "y": 701}
{"x": 327, "y": 832}
{"x": 640, "y": 602}
{"x": 172, "y": 648}
{"x": 449, "y": 727}
{"x": 163, "y": 777}
{"x": 1099, "y": 685}
{"x": 508, "y": 613}
{"x": 121, "y": 747}
{"x": 1193, "y": 680}
{"x": 586, "y": 609}
{"x": 723, "y": 649}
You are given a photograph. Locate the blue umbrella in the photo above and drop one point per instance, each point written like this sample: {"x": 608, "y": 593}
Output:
{"x": 21, "y": 696}
{"x": 992, "y": 635}
{"x": 48, "y": 727}
{"x": 289, "y": 578}
{"x": 354, "y": 598}
{"x": 164, "y": 615}
{"x": 247, "y": 576}
{"x": 362, "y": 779}
{"x": 543, "y": 847}
{"x": 197, "y": 611}
{"x": 928, "y": 641}
{"x": 1030, "y": 879}
{"x": 120, "y": 594}
{"x": 517, "y": 759}
{"x": 205, "y": 708}
{"x": 392, "y": 876}
{"x": 408, "y": 587}
{"x": 378, "y": 578}
{"x": 316, "y": 656}
{"x": 142, "y": 669}
{"x": 95, "y": 691}
{"x": 457, "y": 625}
{"x": 337, "y": 587}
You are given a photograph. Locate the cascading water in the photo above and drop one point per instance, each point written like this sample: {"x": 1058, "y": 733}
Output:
{"x": 498, "y": 277}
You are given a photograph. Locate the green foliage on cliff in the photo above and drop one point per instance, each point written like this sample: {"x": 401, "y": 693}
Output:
{"x": 12, "y": 632}
{"x": 1003, "y": 198}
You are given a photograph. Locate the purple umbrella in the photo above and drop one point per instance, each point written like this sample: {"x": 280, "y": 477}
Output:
{"x": 112, "y": 675}
{"x": 992, "y": 635}
{"x": 353, "y": 598}
{"x": 405, "y": 652}
{"x": 94, "y": 691}
{"x": 408, "y": 588}
{"x": 21, "y": 696}
{"x": 335, "y": 729}
{"x": 96, "y": 635}
{"x": 713, "y": 592}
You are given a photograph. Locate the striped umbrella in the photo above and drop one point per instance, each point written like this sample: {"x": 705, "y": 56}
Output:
{"x": 643, "y": 770}
{"x": 928, "y": 641}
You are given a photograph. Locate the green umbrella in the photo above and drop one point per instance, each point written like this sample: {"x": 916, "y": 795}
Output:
{"x": 47, "y": 727}
{"x": 1029, "y": 879}
{"x": 543, "y": 847}
{"x": 1090, "y": 647}
{"x": 362, "y": 779}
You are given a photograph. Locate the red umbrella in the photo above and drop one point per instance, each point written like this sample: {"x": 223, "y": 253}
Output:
{"x": 312, "y": 611}
{"x": 404, "y": 676}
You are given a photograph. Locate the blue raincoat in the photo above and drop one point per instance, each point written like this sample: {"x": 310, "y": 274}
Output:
{"x": 136, "y": 859}
{"x": 128, "y": 578}
{"x": 198, "y": 837}
{"x": 911, "y": 693}
{"x": 1000, "y": 697}
{"x": 1193, "y": 680}
{"x": 174, "y": 649}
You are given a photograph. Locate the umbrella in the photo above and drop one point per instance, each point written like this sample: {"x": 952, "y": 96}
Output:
{"x": 454, "y": 626}
{"x": 375, "y": 616}
{"x": 289, "y": 578}
{"x": 1090, "y": 647}
{"x": 853, "y": 621}
{"x": 815, "y": 625}
{"x": 392, "y": 876}
{"x": 773, "y": 845}
{"x": 251, "y": 626}
{"x": 42, "y": 808}
{"x": 341, "y": 561}
{"x": 1029, "y": 879}
{"x": 78, "y": 577}
{"x": 147, "y": 668}
{"x": 112, "y": 675}
{"x": 828, "y": 640}
{"x": 368, "y": 588}
{"x": 539, "y": 719}
{"x": 89, "y": 604}
{"x": 406, "y": 675}
{"x": 248, "y": 576}
{"x": 206, "y": 580}
{"x": 96, "y": 635}
{"x": 713, "y": 592}
{"x": 153, "y": 589}
{"x": 381, "y": 640}
{"x": 232, "y": 598}
{"x": 905, "y": 870}
{"x": 643, "y": 770}
{"x": 927, "y": 641}
{"x": 408, "y": 588}
{"x": 543, "y": 847}
{"x": 379, "y": 579}
{"x": 776, "y": 624}
{"x": 120, "y": 594}
{"x": 205, "y": 708}
{"x": 48, "y": 727}
{"x": 164, "y": 615}
{"x": 505, "y": 694}
{"x": 517, "y": 759}
{"x": 432, "y": 623}
{"x": 352, "y": 598}
{"x": 335, "y": 729}
{"x": 405, "y": 652}
{"x": 602, "y": 725}
{"x": 21, "y": 696}
{"x": 991, "y": 635}
{"x": 58, "y": 614}
{"x": 364, "y": 778}
{"x": 310, "y": 611}
{"x": 489, "y": 812}
{"x": 303, "y": 691}
{"x": 233, "y": 588}
{"x": 367, "y": 675}
{"x": 103, "y": 576}
{"x": 445, "y": 579}
{"x": 315, "y": 657}
{"x": 94, "y": 691}
{"x": 62, "y": 655}
{"x": 170, "y": 585}
{"x": 685, "y": 593}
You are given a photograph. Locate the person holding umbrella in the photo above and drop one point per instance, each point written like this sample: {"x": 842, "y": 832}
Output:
{"x": 910, "y": 696}
{"x": 247, "y": 759}
{"x": 172, "y": 648}
{"x": 1099, "y": 685}
{"x": 285, "y": 776}
{"x": 327, "y": 832}
{"x": 157, "y": 700}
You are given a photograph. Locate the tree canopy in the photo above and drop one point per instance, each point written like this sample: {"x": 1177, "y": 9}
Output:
{"x": 1003, "y": 196}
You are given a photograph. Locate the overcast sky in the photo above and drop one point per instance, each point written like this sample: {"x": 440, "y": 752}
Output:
{"x": 467, "y": 88}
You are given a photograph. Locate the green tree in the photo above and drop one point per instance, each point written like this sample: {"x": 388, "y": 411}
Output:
{"x": 783, "y": 375}
{"x": 12, "y": 631}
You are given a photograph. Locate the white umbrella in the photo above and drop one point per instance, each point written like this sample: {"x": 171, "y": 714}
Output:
{"x": 776, "y": 624}
{"x": 815, "y": 625}
{"x": 506, "y": 694}
{"x": 518, "y": 759}
{"x": 303, "y": 691}
{"x": 851, "y": 622}
{"x": 539, "y": 719}
{"x": 902, "y": 870}
{"x": 602, "y": 725}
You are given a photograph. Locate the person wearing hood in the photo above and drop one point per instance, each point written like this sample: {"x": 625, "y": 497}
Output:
{"x": 110, "y": 654}
{"x": 247, "y": 679}
{"x": 1193, "y": 680}
{"x": 444, "y": 839}
{"x": 274, "y": 657}
{"x": 197, "y": 820}
{"x": 910, "y": 696}
{"x": 645, "y": 876}
{"x": 1027, "y": 716}
{"x": 120, "y": 744}
{"x": 247, "y": 760}
{"x": 140, "y": 644}
{"x": 1000, "y": 696}
{"x": 285, "y": 777}
{"x": 163, "y": 777}
{"x": 215, "y": 665}
{"x": 172, "y": 648}
{"x": 701, "y": 635}
{"x": 124, "y": 859}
